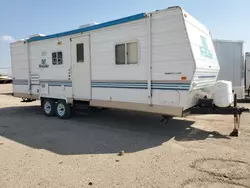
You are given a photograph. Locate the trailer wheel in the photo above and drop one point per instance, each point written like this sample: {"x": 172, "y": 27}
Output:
{"x": 49, "y": 107}
{"x": 63, "y": 110}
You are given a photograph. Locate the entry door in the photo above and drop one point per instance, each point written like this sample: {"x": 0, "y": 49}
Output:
{"x": 80, "y": 58}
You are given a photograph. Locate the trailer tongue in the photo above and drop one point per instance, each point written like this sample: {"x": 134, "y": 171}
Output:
{"x": 206, "y": 106}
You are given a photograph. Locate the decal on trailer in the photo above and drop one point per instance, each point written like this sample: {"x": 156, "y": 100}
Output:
{"x": 205, "y": 52}
{"x": 169, "y": 73}
{"x": 43, "y": 63}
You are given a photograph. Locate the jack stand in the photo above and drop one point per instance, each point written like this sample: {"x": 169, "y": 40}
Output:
{"x": 235, "y": 132}
{"x": 165, "y": 119}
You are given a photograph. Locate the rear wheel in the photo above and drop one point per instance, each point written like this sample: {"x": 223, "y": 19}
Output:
{"x": 49, "y": 107}
{"x": 63, "y": 110}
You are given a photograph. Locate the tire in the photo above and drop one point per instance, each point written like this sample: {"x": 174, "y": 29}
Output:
{"x": 49, "y": 107}
{"x": 63, "y": 110}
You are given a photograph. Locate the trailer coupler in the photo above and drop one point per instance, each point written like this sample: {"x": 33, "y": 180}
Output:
{"x": 206, "y": 106}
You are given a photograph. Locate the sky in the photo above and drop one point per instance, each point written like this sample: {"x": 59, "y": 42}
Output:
{"x": 226, "y": 19}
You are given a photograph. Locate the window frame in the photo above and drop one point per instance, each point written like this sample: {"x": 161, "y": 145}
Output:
{"x": 126, "y": 56}
{"x": 125, "y": 46}
{"x": 56, "y": 57}
{"x": 83, "y": 53}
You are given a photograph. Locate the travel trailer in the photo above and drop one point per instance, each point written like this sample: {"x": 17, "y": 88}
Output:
{"x": 230, "y": 55}
{"x": 161, "y": 62}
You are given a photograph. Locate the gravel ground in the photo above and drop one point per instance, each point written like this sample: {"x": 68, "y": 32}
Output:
{"x": 196, "y": 152}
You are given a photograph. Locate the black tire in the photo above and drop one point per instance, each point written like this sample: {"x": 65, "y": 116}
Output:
{"x": 63, "y": 110}
{"x": 49, "y": 107}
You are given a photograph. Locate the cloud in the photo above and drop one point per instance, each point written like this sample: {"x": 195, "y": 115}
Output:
{"x": 7, "y": 38}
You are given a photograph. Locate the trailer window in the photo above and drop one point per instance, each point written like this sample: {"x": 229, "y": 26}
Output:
{"x": 57, "y": 58}
{"x": 132, "y": 53}
{"x": 126, "y": 53}
{"x": 120, "y": 54}
{"x": 54, "y": 58}
{"x": 80, "y": 52}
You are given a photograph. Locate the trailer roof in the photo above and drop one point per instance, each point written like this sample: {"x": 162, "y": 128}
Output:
{"x": 90, "y": 28}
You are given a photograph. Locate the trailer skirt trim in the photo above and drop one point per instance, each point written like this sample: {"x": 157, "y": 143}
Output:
{"x": 163, "y": 110}
{"x": 26, "y": 95}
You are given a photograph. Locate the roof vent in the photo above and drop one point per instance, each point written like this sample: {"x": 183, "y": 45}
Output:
{"x": 36, "y": 35}
{"x": 88, "y": 25}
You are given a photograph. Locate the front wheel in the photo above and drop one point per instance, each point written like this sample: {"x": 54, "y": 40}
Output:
{"x": 63, "y": 110}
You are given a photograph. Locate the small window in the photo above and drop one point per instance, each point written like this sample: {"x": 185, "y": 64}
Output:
{"x": 120, "y": 54}
{"x": 132, "y": 52}
{"x": 57, "y": 58}
{"x": 80, "y": 52}
{"x": 126, "y": 53}
{"x": 54, "y": 58}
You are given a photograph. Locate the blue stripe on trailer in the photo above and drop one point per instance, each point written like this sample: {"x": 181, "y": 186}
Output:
{"x": 120, "y": 87}
{"x": 132, "y": 85}
{"x": 181, "y": 89}
{"x": 90, "y": 28}
{"x": 99, "y": 83}
{"x": 57, "y": 83}
{"x": 206, "y": 76}
{"x": 127, "y": 82}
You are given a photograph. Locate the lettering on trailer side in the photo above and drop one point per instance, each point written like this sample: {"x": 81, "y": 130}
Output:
{"x": 204, "y": 51}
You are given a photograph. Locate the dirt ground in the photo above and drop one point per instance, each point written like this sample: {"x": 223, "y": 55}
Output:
{"x": 196, "y": 152}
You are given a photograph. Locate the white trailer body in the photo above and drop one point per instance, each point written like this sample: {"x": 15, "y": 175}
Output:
{"x": 160, "y": 62}
{"x": 230, "y": 55}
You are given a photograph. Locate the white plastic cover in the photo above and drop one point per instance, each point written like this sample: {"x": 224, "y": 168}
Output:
{"x": 36, "y": 35}
{"x": 88, "y": 25}
{"x": 223, "y": 94}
